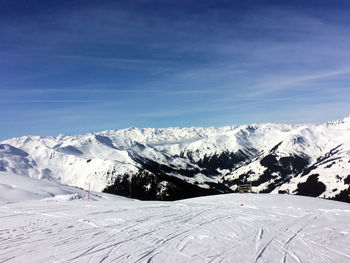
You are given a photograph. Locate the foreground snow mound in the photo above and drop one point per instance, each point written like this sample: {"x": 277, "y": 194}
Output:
{"x": 175, "y": 163}
{"x": 17, "y": 188}
{"x": 223, "y": 228}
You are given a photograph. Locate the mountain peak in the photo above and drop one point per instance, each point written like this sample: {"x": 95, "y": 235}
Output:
{"x": 343, "y": 123}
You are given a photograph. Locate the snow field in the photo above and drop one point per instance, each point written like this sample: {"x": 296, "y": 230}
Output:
{"x": 267, "y": 228}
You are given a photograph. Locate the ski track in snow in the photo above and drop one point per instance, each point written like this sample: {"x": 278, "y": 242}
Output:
{"x": 268, "y": 228}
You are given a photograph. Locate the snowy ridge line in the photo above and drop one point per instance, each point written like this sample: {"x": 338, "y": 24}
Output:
{"x": 165, "y": 163}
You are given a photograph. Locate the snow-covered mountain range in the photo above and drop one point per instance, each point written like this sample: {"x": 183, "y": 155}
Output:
{"x": 175, "y": 163}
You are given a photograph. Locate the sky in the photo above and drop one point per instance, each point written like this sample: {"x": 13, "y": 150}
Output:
{"x": 85, "y": 66}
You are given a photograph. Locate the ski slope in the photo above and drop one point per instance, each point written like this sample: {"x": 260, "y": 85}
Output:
{"x": 267, "y": 228}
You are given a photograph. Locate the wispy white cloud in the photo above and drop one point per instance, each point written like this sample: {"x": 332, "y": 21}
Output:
{"x": 121, "y": 66}
{"x": 279, "y": 82}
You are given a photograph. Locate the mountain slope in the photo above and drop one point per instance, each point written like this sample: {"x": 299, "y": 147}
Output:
{"x": 19, "y": 188}
{"x": 175, "y": 163}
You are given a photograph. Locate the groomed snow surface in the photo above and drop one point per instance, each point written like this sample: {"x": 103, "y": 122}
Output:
{"x": 42, "y": 221}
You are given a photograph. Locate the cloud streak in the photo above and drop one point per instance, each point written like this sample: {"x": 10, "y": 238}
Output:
{"x": 159, "y": 64}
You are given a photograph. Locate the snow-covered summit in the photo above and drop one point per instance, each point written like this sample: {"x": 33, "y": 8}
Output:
{"x": 167, "y": 162}
{"x": 342, "y": 123}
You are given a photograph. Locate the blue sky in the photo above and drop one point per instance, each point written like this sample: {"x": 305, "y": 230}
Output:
{"x": 85, "y": 66}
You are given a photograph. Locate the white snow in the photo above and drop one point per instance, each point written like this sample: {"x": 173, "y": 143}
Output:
{"x": 18, "y": 188}
{"x": 97, "y": 159}
{"x": 61, "y": 225}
